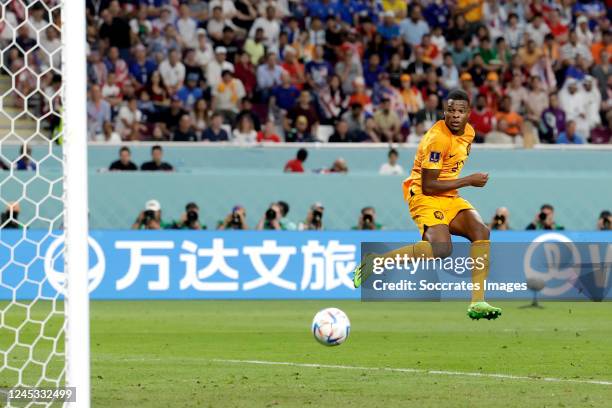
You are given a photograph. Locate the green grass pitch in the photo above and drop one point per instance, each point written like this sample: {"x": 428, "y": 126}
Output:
{"x": 162, "y": 354}
{"x": 166, "y": 354}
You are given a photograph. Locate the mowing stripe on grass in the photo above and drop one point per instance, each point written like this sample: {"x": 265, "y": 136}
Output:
{"x": 416, "y": 370}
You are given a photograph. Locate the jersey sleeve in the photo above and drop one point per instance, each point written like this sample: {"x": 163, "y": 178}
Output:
{"x": 433, "y": 151}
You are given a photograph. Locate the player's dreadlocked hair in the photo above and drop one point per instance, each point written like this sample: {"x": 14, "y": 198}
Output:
{"x": 458, "y": 95}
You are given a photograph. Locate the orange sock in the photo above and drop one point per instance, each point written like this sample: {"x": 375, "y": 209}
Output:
{"x": 480, "y": 249}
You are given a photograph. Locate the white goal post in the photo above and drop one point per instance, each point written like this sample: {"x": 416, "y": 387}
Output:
{"x": 76, "y": 259}
{"x": 44, "y": 251}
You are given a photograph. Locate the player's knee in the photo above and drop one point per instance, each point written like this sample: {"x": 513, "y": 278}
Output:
{"x": 481, "y": 233}
{"x": 442, "y": 249}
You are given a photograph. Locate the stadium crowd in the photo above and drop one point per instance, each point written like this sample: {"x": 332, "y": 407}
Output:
{"x": 249, "y": 71}
{"x": 277, "y": 70}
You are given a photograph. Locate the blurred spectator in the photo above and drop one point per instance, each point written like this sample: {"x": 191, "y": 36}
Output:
{"x": 300, "y": 132}
{"x": 268, "y": 76}
{"x": 236, "y": 220}
{"x": 128, "y": 116}
{"x": 569, "y": 136}
{"x": 190, "y": 219}
{"x": 271, "y": 218}
{"x": 172, "y": 71}
{"x": 247, "y": 109}
{"x": 341, "y": 133}
{"x": 430, "y": 114}
{"x": 410, "y": 95}
{"x": 338, "y": 166}
{"x": 482, "y": 119}
{"x": 391, "y": 167}
{"x": 285, "y": 223}
{"x": 283, "y": 95}
{"x": 573, "y": 101}
{"x": 190, "y": 92}
{"x": 227, "y": 95}
{"x": 305, "y": 111}
{"x": 217, "y": 66}
{"x": 254, "y": 47}
{"x": 537, "y": 29}
{"x": 367, "y": 220}
{"x": 355, "y": 118}
{"x": 245, "y": 72}
{"x": 508, "y": 121}
{"x": 552, "y": 122}
{"x": 268, "y": 133}
{"x": 245, "y": 133}
{"x": 416, "y": 134}
{"x": 141, "y": 67}
{"x": 25, "y": 162}
{"x": 296, "y": 165}
{"x": 270, "y": 26}
{"x": 314, "y": 218}
{"x": 98, "y": 111}
{"x": 150, "y": 217}
{"x": 108, "y": 134}
{"x": 4, "y": 165}
{"x": 500, "y": 220}
{"x": 413, "y": 28}
{"x": 545, "y": 219}
{"x": 593, "y": 102}
{"x": 125, "y": 162}
{"x": 319, "y": 69}
{"x": 156, "y": 163}
{"x": 8, "y": 219}
{"x": 200, "y": 115}
{"x": 604, "y": 223}
{"x": 537, "y": 100}
{"x": 387, "y": 122}
{"x": 214, "y": 132}
{"x": 185, "y": 131}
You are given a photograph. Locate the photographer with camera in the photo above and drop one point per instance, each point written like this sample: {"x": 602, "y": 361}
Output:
{"x": 604, "y": 221}
{"x": 9, "y": 217}
{"x": 314, "y": 218}
{"x": 150, "y": 217}
{"x": 189, "y": 219}
{"x": 545, "y": 220}
{"x": 271, "y": 218}
{"x": 501, "y": 220}
{"x": 235, "y": 220}
{"x": 367, "y": 220}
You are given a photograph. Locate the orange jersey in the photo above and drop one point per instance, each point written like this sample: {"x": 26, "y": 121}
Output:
{"x": 439, "y": 149}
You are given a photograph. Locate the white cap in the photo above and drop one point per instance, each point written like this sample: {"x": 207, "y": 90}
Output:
{"x": 220, "y": 50}
{"x": 201, "y": 31}
{"x": 153, "y": 205}
{"x": 582, "y": 19}
{"x": 388, "y": 14}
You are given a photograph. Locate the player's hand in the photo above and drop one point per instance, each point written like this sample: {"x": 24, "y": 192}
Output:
{"x": 478, "y": 179}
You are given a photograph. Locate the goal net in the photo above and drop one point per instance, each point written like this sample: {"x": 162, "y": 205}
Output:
{"x": 44, "y": 341}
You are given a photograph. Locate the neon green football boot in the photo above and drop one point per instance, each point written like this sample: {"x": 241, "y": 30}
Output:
{"x": 363, "y": 271}
{"x": 482, "y": 309}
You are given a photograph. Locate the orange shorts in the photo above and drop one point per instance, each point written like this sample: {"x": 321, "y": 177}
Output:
{"x": 427, "y": 211}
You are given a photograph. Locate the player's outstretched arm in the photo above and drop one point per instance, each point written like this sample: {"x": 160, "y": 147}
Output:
{"x": 432, "y": 186}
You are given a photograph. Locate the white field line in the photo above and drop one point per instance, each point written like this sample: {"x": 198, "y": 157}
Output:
{"x": 416, "y": 371}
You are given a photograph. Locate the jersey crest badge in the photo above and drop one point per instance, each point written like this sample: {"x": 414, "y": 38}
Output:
{"x": 434, "y": 157}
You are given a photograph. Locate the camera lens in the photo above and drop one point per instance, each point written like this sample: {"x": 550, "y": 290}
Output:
{"x": 367, "y": 218}
{"x": 192, "y": 216}
{"x": 270, "y": 214}
{"x": 542, "y": 216}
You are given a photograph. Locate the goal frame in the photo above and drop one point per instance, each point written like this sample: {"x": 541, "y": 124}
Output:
{"x": 76, "y": 257}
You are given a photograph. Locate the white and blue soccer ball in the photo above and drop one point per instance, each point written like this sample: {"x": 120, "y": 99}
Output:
{"x": 331, "y": 326}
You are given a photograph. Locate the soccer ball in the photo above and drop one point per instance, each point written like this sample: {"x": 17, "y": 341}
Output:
{"x": 331, "y": 326}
